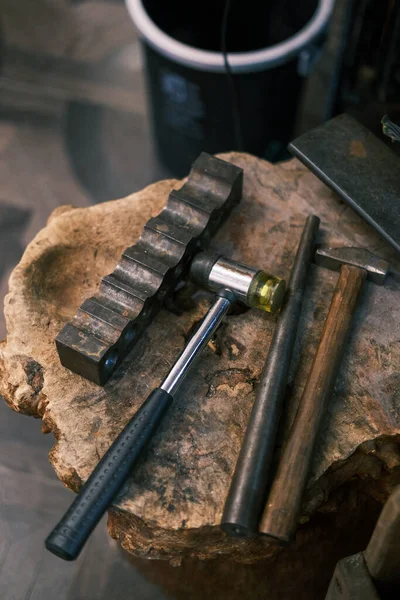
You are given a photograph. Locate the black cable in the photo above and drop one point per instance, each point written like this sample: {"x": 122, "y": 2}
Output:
{"x": 234, "y": 93}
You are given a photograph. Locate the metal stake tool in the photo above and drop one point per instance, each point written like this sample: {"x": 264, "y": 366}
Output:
{"x": 246, "y": 496}
{"x": 69, "y": 536}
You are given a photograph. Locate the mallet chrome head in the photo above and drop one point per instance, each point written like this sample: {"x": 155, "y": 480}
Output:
{"x": 253, "y": 287}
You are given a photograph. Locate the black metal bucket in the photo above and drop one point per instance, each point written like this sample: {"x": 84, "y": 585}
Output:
{"x": 271, "y": 47}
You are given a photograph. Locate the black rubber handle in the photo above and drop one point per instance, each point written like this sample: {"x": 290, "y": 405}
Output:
{"x": 69, "y": 536}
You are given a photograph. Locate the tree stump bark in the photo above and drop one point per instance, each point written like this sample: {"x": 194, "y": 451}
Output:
{"x": 172, "y": 506}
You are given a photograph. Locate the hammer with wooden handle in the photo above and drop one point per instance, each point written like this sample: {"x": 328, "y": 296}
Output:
{"x": 284, "y": 502}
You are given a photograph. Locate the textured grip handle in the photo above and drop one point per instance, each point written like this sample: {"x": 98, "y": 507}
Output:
{"x": 69, "y": 536}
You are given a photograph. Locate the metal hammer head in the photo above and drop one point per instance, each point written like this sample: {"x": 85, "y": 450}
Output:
{"x": 334, "y": 258}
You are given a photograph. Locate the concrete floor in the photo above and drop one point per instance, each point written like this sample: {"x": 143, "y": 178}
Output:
{"x": 74, "y": 129}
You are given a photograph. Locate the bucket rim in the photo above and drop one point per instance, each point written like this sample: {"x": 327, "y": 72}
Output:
{"x": 239, "y": 62}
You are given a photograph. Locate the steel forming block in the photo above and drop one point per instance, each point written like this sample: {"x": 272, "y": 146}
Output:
{"x": 108, "y": 325}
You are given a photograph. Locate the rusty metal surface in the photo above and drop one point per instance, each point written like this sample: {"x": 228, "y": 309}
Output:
{"x": 382, "y": 555}
{"x": 351, "y": 581}
{"x": 359, "y": 167}
{"x": 375, "y": 573}
{"x": 107, "y": 325}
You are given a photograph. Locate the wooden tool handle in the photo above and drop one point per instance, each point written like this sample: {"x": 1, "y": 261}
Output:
{"x": 281, "y": 513}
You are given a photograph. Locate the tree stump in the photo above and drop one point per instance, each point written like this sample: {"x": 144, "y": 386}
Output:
{"x": 172, "y": 506}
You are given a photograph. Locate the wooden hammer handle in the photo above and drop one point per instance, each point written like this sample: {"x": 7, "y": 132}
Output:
{"x": 284, "y": 502}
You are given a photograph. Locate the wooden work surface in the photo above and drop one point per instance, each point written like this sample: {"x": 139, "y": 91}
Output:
{"x": 173, "y": 504}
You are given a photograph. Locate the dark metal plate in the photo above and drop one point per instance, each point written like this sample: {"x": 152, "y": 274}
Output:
{"x": 359, "y": 167}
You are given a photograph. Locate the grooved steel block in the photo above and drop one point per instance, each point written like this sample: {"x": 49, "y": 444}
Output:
{"x": 107, "y": 326}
